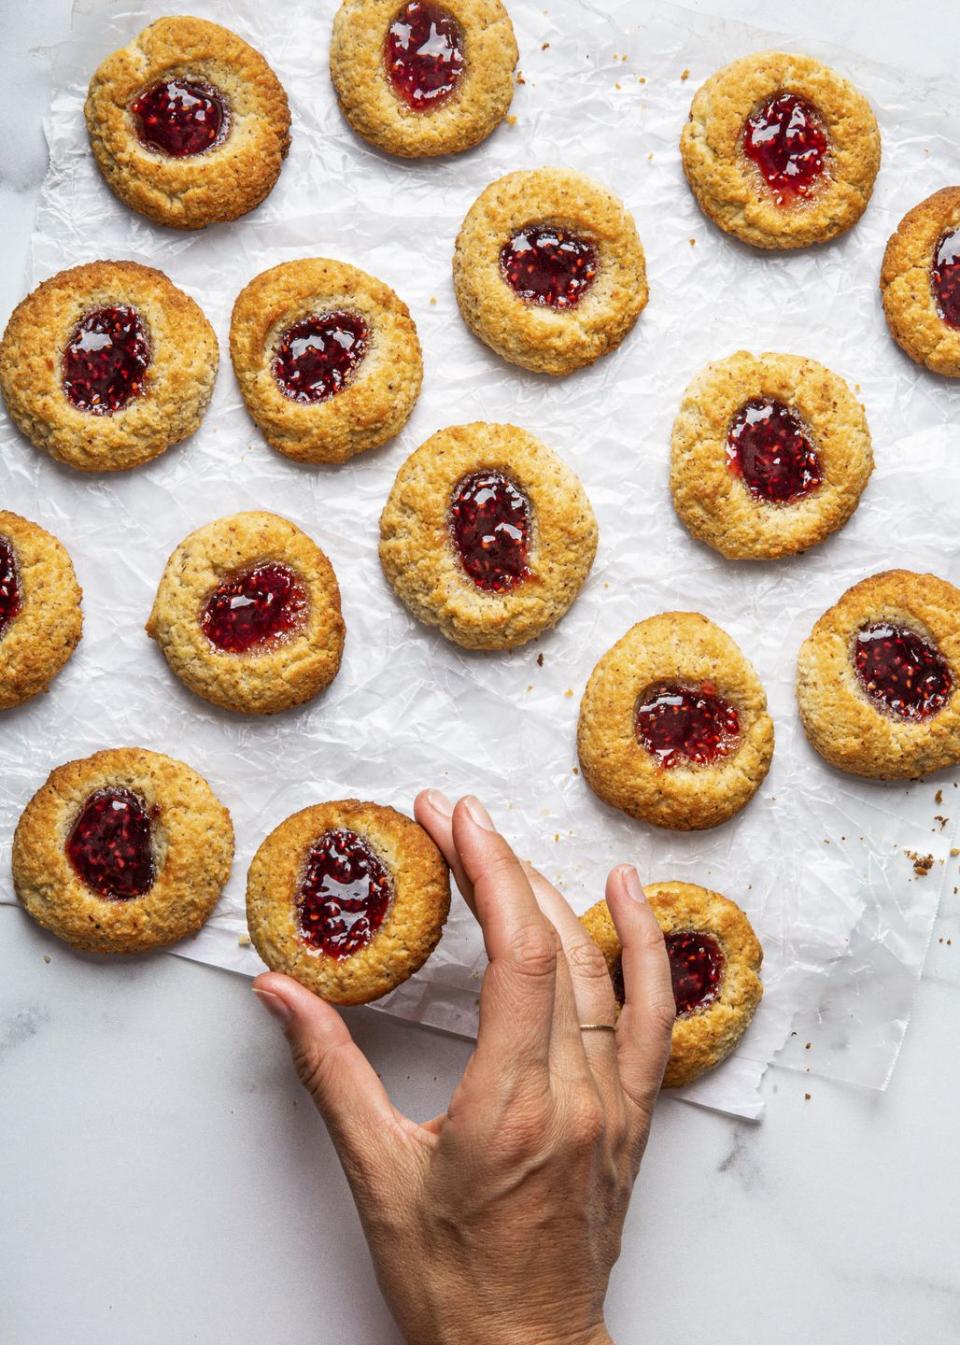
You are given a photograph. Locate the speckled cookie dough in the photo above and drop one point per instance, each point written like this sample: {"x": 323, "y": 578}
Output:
{"x": 920, "y": 283}
{"x": 41, "y": 619}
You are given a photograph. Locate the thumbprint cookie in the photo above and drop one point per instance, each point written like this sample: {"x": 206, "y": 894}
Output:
{"x": 107, "y": 365}
{"x": 426, "y": 77}
{"x": 770, "y": 455}
{"x": 715, "y": 960}
{"x": 327, "y": 359}
{"x": 247, "y": 614}
{"x": 549, "y": 270}
{"x": 123, "y": 851}
{"x": 877, "y": 677}
{"x": 349, "y": 898}
{"x": 40, "y": 614}
{"x": 920, "y": 283}
{"x": 188, "y": 124}
{"x": 780, "y": 150}
{"x": 674, "y": 726}
{"x": 488, "y": 535}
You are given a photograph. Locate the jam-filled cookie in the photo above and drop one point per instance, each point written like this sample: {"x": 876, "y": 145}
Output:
{"x": 920, "y": 282}
{"x": 40, "y": 614}
{"x": 424, "y": 77}
{"x": 674, "y": 726}
{"x": 770, "y": 455}
{"x": 188, "y": 124}
{"x": 327, "y": 359}
{"x": 247, "y": 614}
{"x": 780, "y": 150}
{"x": 715, "y": 960}
{"x": 350, "y": 898}
{"x": 122, "y": 851}
{"x": 549, "y": 270}
{"x": 488, "y": 535}
{"x": 877, "y": 678}
{"x": 107, "y": 365}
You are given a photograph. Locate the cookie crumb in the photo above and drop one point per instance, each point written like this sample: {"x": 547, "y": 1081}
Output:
{"x": 568, "y": 693}
{"x": 938, "y": 797}
{"x": 511, "y": 120}
{"x": 46, "y": 956}
{"x": 684, "y": 74}
{"x": 433, "y": 298}
{"x": 807, "y": 1096}
{"x": 244, "y": 941}
{"x": 539, "y": 660}
{"x": 693, "y": 242}
{"x": 922, "y": 864}
{"x": 544, "y": 46}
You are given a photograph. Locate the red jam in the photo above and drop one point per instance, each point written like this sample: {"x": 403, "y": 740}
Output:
{"x": 105, "y": 361}
{"x": 317, "y": 356}
{"x": 901, "y": 671}
{"x": 180, "y": 117}
{"x": 686, "y": 725}
{"x": 945, "y": 277}
{"x": 786, "y": 140}
{"x": 110, "y": 845}
{"x": 547, "y": 266}
{"x": 10, "y": 597}
{"x": 255, "y": 607}
{"x": 768, "y": 448}
{"x": 490, "y": 522}
{"x": 424, "y": 55}
{"x": 696, "y": 968}
{"x": 343, "y": 895}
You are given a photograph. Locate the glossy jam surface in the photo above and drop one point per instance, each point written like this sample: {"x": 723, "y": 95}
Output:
{"x": 945, "y": 277}
{"x": 424, "y": 55}
{"x": 682, "y": 725}
{"x": 110, "y": 845}
{"x": 769, "y": 449}
{"x": 179, "y": 117}
{"x": 696, "y": 968}
{"x": 255, "y": 607}
{"x": 10, "y": 597}
{"x": 786, "y": 140}
{"x": 490, "y": 523}
{"x": 105, "y": 361}
{"x": 343, "y": 895}
{"x": 901, "y": 671}
{"x": 548, "y": 266}
{"x": 317, "y": 356}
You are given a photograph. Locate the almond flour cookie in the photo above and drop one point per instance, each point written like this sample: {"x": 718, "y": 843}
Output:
{"x": 349, "y": 898}
{"x": 920, "y": 283}
{"x": 488, "y": 535}
{"x": 247, "y": 614}
{"x": 770, "y": 455}
{"x": 715, "y": 959}
{"x": 122, "y": 851}
{"x": 780, "y": 150}
{"x": 327, "y": 359}
{"x": 40, "y": 614}
{"x": 549, "y": 271}
{"x": 105, "y": 366}
{"x": 877, "y": 677}
{"x": 188, "y": 124}
{"x": 423, "y": 78}
{"x": 673, "y": 724}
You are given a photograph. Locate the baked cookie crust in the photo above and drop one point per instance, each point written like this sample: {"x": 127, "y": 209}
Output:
{"x": 38, "y": 640}
{"x": 909, "y": 303}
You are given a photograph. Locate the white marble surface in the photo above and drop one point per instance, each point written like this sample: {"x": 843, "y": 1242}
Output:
{"x": 165, "y": 1182}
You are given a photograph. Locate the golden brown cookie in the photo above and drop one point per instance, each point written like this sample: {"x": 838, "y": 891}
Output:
{"x": 715, "y": 959}
{"x": 549, "y": 271}
{"x": 247, "y": 614}
{"x": 770, "y": 455}
{"x": 488, "y": 535}
{"x": 40, "y": 614}
{"x": 350, "y": 898}
{"x": 920, "y": 282}
{"x": 673, "y": 724}
{"x": 122, "y": 851}
{"x": 780, "y": 150}
{"x": 107, "y": 365}
{"x": 327, "y": 359}
{"x": 188, "y": 124}
{"x": 877, "y": 677}
{"x": 426, "y": 77}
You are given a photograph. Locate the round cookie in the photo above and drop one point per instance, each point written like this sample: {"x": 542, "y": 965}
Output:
{"x": 920, "y": 282}
{"x": 349, "y": 898}
{"x": 107, "y": 365}
{"x": 770, "y": 455}
{"x": 426, "y": 77}
{"x": 877, "y": 678}
{"x": 715, "y": 959}
{"x": 488, "y": 535}
{"x": 247, "y": 614}
{"x": 123, "y": 851}
{"x": 780, "y": 150}
{"x": 673, "y": 724}
{"x": 40, "y": 614}
{"x": 327, "y": 358}
{"x": 549, "y": 270}
{"x": 188, "y": 124}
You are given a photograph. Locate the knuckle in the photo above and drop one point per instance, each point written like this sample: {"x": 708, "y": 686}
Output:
{"x": 587, "y": 1124}
{"x": 534, "y": 949}
{"x": 587, "y": 960}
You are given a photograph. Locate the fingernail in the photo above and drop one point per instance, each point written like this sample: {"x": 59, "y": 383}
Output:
{"x": 478, "y": 813}
{"x": 440, "y": 802}
{"x": 631, "y": 881}
{"x": 273, "y": 1004}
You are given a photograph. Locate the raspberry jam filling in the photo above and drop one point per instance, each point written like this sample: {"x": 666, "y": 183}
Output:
{"x": 105, "y": 361}
{"x": 110, "y": 846}
{"x": 945, "y": 277}
{"x": 547, "y": 266}
{"x": 10, "y": 597}
{"x": 424, "y": 55}
{"x": 768, "y": 448}
{"x": 696, "y": 969}
{"x": 786, "y": 140}
{"x": 180, "y": 117}
{"x": 343, "y": 895}
{"x": 255, "y": 607}
{"x": 490, "y": 523}
{"x": 686, "y": 725}
{"x": 901, "y": 671}
{"x": 318, "y": 355}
